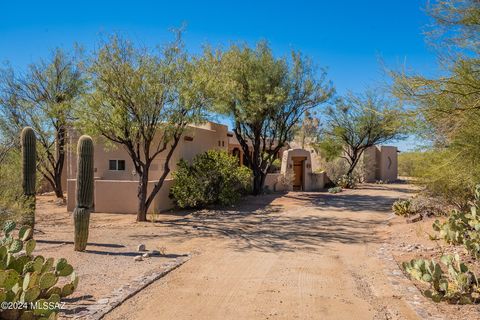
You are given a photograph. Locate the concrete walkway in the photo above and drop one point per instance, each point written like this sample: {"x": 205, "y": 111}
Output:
{"x": 298, "y": 256}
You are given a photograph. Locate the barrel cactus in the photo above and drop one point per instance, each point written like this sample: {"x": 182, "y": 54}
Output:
{"x": 29, "y": 168}
{"x": 85, "y": 184}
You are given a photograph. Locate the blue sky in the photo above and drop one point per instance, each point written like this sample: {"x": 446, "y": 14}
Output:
{"x": 347, "y": 37}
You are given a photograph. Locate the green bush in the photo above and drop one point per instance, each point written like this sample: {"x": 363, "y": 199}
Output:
{"x": 33, "y": 284}
{"x": 335, "y": 190}
{"x": 275, "y": 166}
{"x": 347, "y": 182}
{"x": 214, "y": 177}
{"x": 403, "y": 208}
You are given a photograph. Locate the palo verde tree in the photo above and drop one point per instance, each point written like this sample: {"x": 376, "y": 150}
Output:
{"x": 42, "y": 98}
{"x": 448, "y": 106}
{"x": 266, "y": 97}
{"x": 357, "y": 122}
{"x": 142, "y": 101}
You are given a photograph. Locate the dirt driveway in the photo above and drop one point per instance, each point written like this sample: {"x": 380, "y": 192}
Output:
{"x": 298, "y": 256}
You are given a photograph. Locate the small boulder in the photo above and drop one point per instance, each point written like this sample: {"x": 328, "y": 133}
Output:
{"x": 146, "y": 255}
{"x": 414, "y": 218}
{"x": 155, "y": 253}
{"x": 138, "y": 258}
{"x": 141, "y": 247}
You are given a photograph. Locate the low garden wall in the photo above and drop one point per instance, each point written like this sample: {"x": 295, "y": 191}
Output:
{"x": 120, "y": 196}
{"x": 272, "y": 184}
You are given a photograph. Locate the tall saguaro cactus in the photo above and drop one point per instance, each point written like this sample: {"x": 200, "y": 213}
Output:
{"x": 85, "y": 184}
{"x": 29, "y": 169}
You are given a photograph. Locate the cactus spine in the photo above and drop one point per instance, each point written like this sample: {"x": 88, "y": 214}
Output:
{"x": 29, "y": 169}
{"x": 85, "y": 184}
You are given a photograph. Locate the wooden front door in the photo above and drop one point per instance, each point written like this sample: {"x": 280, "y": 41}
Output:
{"x": 298, "y": 172}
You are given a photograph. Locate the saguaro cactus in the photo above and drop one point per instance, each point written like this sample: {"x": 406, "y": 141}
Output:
{"x": 85, "y": 184}
{"x": 29, "y": 169}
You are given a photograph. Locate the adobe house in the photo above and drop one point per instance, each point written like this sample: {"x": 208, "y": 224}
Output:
{"x": 116, "y": 182}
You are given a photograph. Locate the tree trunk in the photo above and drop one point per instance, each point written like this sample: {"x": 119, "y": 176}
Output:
{"x": 258, "y": 182}
{"x": 59, "y": 161}
{"x": 142, "y": 198}
{"x": 58, "y": 186}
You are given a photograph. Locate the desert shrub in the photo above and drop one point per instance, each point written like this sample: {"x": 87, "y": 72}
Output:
{"x": 430, "y": 206}
{"x": 403, "y": 208}
{"x": 335, "y": 190}
{"x": 347, "y": 181}
{"x": 445, "y": 173}
{"x": 462, "y": 228}
{"x": 275, "y": 166}
{"x": 335, "y": 169}
{"x": 32, "y": 282}
{"x": 411, "y": 164}
{"x": 458, "y": 285}
{"x": 10, "y": 186}
{"x": 214, "y": 177}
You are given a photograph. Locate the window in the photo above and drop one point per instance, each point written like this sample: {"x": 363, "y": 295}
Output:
{"x": 116, "y": 165}
{"x": 223, "y": 143}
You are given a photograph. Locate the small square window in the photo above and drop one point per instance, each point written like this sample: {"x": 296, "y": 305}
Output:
{"x": 121, "y": 165}
{"x": 116, "y": 165}
{"x": 112, "y": 165}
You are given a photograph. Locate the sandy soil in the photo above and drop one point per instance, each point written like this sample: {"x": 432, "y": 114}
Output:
{"x": 409, "y": 241}
{"x": 108, "y": 263}
{"x": 297, "y": 256}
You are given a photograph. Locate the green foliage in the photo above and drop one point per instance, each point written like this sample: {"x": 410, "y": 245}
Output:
{"x": 412, "y": 164}
{"x": 403, "y": 208}
{"x": 458, "y": 285}
{"x": 275, "y": 166}
{"x": 85, "y": 185}
{"x": 357, "y": 122}
{"x": 143, "y": 100}
{"x": 447, "y": 110}
{"x": 462, "y": 228}
{"x": 335, "y": 190}
{"x": 42, "y": 97}
{"x": 266, "y": 96}
{"x": 10, "y": 186}
{"x": 347, "y": 182}
{"x": 26, "y": 278}
{"x": 214, "y": 177}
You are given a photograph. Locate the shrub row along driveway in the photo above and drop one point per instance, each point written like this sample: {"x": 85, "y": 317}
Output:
{"x": 296, "y": 256}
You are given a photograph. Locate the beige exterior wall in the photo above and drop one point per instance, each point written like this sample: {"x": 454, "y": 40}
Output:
{"x": 195, "y": 140}
{"x": 380, "y": 163}
{"x": 116, "y": 191}
{"x": 121, "y": 196}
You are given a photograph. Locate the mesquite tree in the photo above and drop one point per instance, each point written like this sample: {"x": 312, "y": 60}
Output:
{"x": 356, "y": 122}
{"x": 43, "y": 99}
{"x": 142, "y": 101}
{"x": 266, "y": 97}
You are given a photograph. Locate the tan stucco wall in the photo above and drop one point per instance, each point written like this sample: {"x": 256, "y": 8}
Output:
{"x": 204, "y": 138}
{"x": 388, "y": 164}
{"x": 113, "y": 196}
{"x": 380, "y": 163}
{"x": 272, "y": 182}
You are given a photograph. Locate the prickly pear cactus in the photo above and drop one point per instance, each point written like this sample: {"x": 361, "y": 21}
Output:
{"x": 29, "y": 168}
{"x": 38, "y": 284}
{"x": 85, "y": 183}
